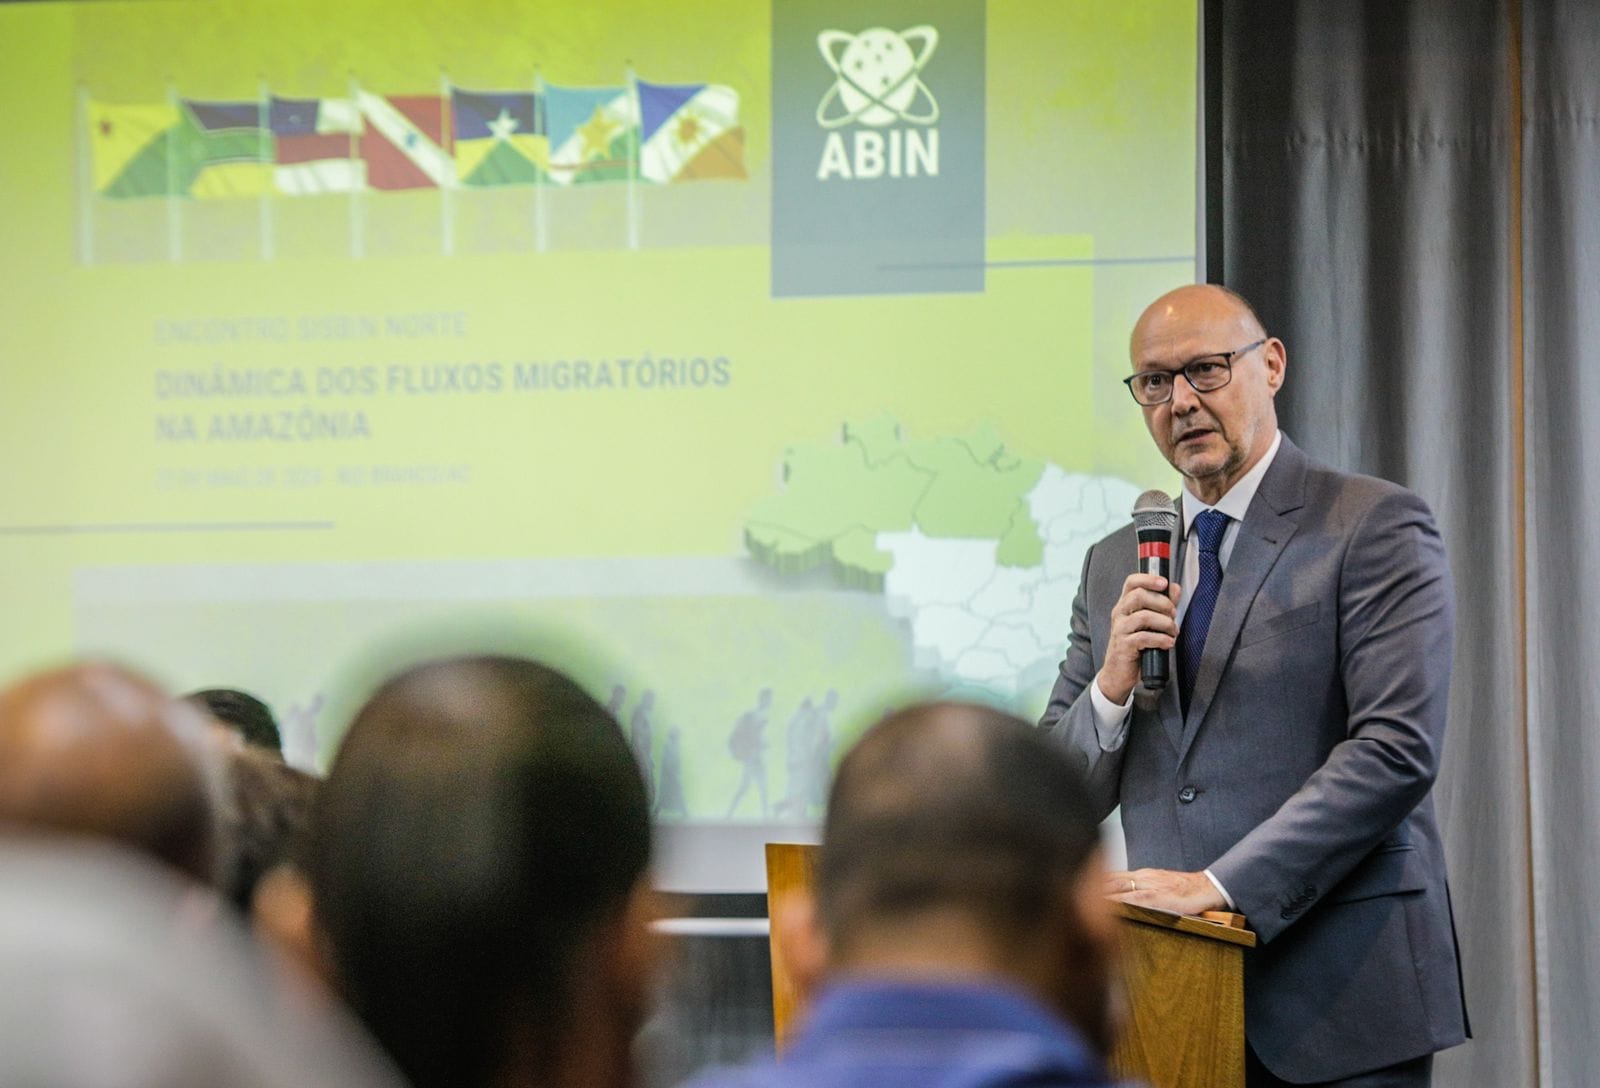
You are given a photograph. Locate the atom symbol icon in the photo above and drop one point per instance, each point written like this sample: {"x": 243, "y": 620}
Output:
{"x": 879, "y": 77}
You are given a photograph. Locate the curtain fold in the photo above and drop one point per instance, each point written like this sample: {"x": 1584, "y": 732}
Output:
{"x": 1561, "y": 337}
{"x": 1367, "y": 214}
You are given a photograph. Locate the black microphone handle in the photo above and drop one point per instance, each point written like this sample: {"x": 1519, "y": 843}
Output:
{"x": 1154, "y": 665}
{"x": 1153, "y": 669}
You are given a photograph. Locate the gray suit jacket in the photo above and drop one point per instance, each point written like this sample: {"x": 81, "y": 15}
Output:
{"x": 1301, "y": 774}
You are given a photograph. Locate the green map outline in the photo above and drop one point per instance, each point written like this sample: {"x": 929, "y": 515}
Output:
{"x": 836, "y": 498}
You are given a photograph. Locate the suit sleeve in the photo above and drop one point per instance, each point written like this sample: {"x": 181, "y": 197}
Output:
{"x": 1396, "y": 613}
{"x": 1069, "y": 717}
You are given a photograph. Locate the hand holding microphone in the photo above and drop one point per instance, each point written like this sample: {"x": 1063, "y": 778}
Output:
{"x": 1144, "y": 622}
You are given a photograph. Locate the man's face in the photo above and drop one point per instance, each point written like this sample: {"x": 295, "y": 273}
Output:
{"x": 1211, "y": 438}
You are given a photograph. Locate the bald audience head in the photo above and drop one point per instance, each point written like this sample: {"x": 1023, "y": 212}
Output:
{"x": 98, "y": 751}
{"x": 959, "y": 841}
{"x": 478, "y": 872}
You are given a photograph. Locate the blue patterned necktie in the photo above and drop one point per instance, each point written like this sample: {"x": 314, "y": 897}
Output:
{"x": 1208, "y": 530}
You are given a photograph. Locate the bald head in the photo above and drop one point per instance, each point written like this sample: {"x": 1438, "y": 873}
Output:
{"x": 1214, "y": 437}
{"x": 1209, "y": 304}
{"x": 95, "y": 750}
{"x": 951, "y": 806}
{"x": 960, "y": 843}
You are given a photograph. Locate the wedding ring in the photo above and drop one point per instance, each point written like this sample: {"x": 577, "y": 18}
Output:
{"x": 1133, "y": 885}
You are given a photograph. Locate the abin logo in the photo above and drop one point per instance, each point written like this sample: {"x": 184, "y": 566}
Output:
{"x": 878, "y": 82}
{"x": 878, "y": 123}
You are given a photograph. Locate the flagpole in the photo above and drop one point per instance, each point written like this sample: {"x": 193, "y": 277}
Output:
{"x": 267, "y": 157}
{"x": 356, "y": 219}
{"x": 85, "y": 181}
{"x": 447, "y": 216}
{"x": 174, "y": 222}
{"x": 633, "y": 161}
{"x": 541, "y": 120}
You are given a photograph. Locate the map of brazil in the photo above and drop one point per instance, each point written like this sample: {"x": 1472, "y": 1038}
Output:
{"x": 977, "y": 546}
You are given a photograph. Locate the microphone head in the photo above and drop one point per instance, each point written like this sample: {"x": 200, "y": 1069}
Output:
{"x": 1154, "y": 510}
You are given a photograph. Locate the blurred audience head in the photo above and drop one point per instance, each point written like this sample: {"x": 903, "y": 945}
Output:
{"x": 113, "y": 977}
{"x": 97, "y": 751}
{"x": 264, "y": 819}
{"x": 478, "y": 877}
{"x": 959, "y": 842}
{"x": 243, "y": 713}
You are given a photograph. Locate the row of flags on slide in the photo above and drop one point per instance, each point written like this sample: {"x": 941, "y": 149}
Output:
{"x": 653, "y": 132}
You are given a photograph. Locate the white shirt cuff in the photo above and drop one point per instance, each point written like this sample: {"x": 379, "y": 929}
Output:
{"x": 1215, "y": 883}
{"x": 1110, "y": 720}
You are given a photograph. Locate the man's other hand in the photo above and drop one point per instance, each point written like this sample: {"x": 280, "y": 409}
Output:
{"x": 1186, "y": 893}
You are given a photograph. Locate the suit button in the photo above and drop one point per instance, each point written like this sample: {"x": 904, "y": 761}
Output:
{"x": 1187, "y": 794}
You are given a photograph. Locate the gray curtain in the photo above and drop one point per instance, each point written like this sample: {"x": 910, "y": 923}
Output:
{"x": 1369, "y": 179}
{"x": 1561, "y": 298}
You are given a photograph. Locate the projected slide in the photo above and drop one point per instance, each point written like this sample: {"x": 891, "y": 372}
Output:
{"x": 757, "y": 362}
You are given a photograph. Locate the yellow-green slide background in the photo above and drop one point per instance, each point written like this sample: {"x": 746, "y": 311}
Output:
{"x": 1091, "y": 152}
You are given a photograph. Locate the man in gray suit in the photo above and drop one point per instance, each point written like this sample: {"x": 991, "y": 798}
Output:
{"x": 1285, "y": 771}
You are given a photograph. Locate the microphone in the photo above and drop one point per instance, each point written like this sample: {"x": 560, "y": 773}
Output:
{"x": 1155, "y": 519}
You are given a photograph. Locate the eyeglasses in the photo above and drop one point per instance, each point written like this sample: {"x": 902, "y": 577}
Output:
{"x": 1206, "y": 374}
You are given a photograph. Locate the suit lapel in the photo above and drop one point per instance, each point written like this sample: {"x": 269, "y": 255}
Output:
{"x": 1268, "y": 524}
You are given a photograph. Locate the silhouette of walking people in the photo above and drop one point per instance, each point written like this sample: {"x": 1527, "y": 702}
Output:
{"x": 642, "y": 739}
{"x": 670, "y": 798}
{"x": 799, "y": 740}
{"x": 748, "y": 744}
{"x": 822, "y": 750}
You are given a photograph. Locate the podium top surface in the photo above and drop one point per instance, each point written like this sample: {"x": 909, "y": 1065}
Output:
{"x": 1185, "y": 923}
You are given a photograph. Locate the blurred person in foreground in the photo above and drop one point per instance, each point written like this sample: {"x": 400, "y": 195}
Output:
{"x": 120, "y": 968}
{"x": 114, "y": 976}
{"x": 959, "y": 934}
{"x": 262, "y": 815}
{"x": 242, "y": 713}
{"x": 263, "y": 823}
{"x": 93, "y": 750}
{"x": 478, "y": 878}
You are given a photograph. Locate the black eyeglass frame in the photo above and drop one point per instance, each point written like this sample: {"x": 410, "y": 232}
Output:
{"x": 1227, "y": 358}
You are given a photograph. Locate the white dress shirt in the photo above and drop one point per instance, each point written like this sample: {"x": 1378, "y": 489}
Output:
{"x": 1111, "y": 719}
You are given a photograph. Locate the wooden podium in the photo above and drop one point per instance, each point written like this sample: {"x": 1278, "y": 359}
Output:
{"x": 791, "y": 868}
{"x": 1184, "y": 977}
{"x": 1184, "y": 1026}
